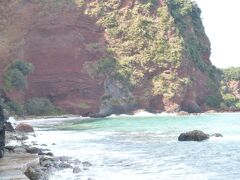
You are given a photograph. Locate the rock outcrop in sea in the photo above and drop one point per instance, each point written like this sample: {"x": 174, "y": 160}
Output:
{"x": 196, "y": 135}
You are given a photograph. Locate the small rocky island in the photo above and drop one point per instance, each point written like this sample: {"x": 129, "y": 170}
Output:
{"x": 196, "y": 135}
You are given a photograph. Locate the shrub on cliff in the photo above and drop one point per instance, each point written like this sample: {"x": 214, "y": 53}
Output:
{"x": 230, "y": 100}
{"x": 40, "y": 107}
{"x": 232, "y": 73}
{"x": 24, "y": 67}
{"x": 213, "y": 101}
{"x": 15, "y": 79}
{"x": 15, "y": 107}
{"x": 16, "y": 75}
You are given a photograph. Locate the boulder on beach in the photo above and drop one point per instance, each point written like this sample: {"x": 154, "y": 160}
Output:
{"x": 194, "y": 135}
{"x": 9, "y": 127}
{"x": 76, "y": 170}
{"x": 24, "y": 128}
{"x": 34, "y": 173}
{"x": 34, "y": 150}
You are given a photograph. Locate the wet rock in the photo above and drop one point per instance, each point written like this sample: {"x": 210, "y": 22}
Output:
{"x": 36, "y": 173}
{"x": 76, "y": 161}
{"x": 217, "y": 135}
{"x": 24, "y": 128}
{"x": 10, "y": 148}
{"x": 9, "y": 127}
{"x": 76, "y": 170}
{"x": 50, "y": 154}
{"x": 43, "y": 145}
{"x": 33, "y": 150}
{"x": 64, "y": 165}
{"x": 20, "y": 150}
{"x": 86, "y": 164}
{"x": 21, "y": 137}
{"x": 53, "y": 143}
{"x": 64, "y": 158}
{"x": 34, "y": 143}
{"x": 46, "y": 162}
{"x": 195, "y": 135}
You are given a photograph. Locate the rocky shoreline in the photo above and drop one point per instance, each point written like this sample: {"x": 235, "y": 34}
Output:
{"x": 48, "y": 164}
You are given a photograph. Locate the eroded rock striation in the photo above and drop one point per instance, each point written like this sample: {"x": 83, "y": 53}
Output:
{"x": 103, "y": 57}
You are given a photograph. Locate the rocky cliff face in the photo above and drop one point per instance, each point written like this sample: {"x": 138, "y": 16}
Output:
{"x": 109, "y": 56}
{"x": 234, "y": 87}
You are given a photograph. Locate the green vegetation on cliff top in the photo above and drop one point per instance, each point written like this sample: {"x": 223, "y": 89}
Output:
{"x": 153, "y": 42}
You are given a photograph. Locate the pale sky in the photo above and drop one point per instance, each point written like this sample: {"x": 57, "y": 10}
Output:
{"x": 222, "y": 24}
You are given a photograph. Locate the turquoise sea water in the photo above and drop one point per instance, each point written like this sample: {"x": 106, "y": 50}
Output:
{"x": 136, "y": 148}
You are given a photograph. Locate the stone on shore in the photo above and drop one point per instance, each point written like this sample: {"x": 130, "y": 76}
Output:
{"x": 194, "y": 135}
{"x": 36, "y": 173}
{"x": 86, "y": 164}
{"x": 33, "y": 150}
{"x": 24, "y": 128}
{"x": 9, "y": 127}
{"x": 76, "y": 170}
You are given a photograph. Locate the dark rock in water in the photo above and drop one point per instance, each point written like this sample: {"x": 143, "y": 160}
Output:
{"x": 53, "y": 143}
{"x": 10, "y": 148}
{"x": 64, "y": 158}
{"x": 33, "y": 150}
{"x": 50, "y": 154}
{"x": 24, "y": 128}
{"x": 86, "y": 164}
{"x": 76, "y": 161}
{"x": 64, "y": 165}
{"x": 46, "y": 162}
{"x": 217, "y": 135}
{"x": 36, "y": 173}
{"x": 21, "y": 138}
{"x": 195, "y": 135}
{"x": 9, "y": 127}
{"x": 43, "y": 145}
{"x": 34, "y": 143}
{"x": 20, "y": 150}
{"x": 76, "y": 170}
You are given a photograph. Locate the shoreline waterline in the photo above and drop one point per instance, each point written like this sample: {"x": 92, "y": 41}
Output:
{"x": 141, "y": 113}
{"x": 147, "y": 147}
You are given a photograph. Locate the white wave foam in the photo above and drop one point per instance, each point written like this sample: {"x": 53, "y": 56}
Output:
{"x": 143, "y": 113}
{"x": 51, "y": 120}
{"x": 13, "y": 121}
